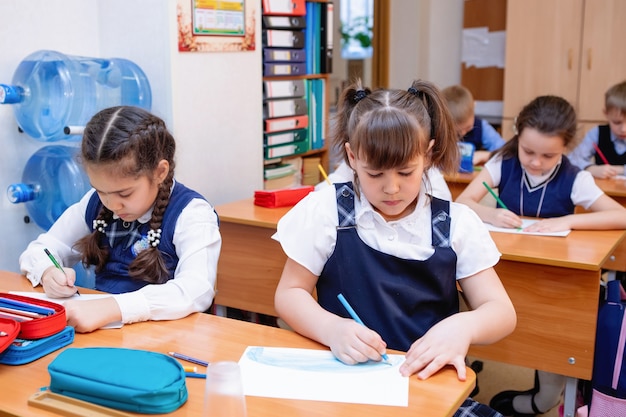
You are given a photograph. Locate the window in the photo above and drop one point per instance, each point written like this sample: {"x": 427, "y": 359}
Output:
{"x": 357, "y": 19}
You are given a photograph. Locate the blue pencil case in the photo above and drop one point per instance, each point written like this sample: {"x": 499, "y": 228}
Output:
{"x": 21, "y": 351}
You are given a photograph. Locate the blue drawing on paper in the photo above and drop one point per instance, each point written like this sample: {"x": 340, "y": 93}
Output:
{"x": 325, "y": 363}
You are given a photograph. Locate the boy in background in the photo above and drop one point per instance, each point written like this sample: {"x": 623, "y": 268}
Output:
{"x": 470, "y": 128}
{"x": 603, "y": 149}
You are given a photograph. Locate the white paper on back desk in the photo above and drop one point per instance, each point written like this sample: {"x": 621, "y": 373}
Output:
{"x": 525, "y": 224}
{"x": 309, "y": 374}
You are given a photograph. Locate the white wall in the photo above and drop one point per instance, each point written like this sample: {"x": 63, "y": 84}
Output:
{"x": 212, "y": 102}
{"x": 425, "y": 42}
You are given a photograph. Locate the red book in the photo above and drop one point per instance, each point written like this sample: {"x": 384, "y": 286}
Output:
{"x": 281, "y": 198}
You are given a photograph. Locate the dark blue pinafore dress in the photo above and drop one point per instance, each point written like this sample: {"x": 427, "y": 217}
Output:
{"x": 398, "y": 298}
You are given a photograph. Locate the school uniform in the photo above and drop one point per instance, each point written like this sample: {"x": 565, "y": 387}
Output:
{"x": 399, "y": 276}
{"x": 554, "y": 194}
{"x": 483, "y": 136}
{"x": 613, "y": 148}
{"x": 190, "y": 237}
{"x": 126, "y": 240}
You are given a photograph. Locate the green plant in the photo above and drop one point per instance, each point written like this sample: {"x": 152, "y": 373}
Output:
{"x": 360, "y": 29}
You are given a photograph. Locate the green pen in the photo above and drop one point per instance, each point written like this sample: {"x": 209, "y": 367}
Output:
{"x": 56, "y": 264}
{"x": 500, "y": 202}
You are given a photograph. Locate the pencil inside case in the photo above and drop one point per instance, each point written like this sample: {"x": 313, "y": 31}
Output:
{"x": 51, "y": 320}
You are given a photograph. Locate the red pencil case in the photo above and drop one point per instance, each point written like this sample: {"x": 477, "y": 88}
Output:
{"x": 281, "y": 198}
{"x": 51, "y": 317}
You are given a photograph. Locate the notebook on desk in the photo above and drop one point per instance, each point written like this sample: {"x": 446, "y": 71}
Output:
{"x": 525, "y": 224}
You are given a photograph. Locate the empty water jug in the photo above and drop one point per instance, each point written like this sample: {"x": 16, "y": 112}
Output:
{"x": 54, "y": 95}
{"x": 52, "y": 181}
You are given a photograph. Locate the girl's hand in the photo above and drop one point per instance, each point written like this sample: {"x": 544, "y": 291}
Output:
{"x": 57, "y": 284}
{"x": 353, "y": 343}
{"x": 554, "y": 224}
{"x": 505, "y": 218}
{"x": 89, "y": 315}
{"x": 446, "y": 343}
{"x": 605, "y": 171}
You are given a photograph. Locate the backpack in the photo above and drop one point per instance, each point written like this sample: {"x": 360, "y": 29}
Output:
{"x": 608, "y": 379}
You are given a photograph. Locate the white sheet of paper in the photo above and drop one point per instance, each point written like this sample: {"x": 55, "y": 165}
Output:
{"x": 42, "y": 296}
{"x": 525, "y": 224}
{"x": 308, "y": 374}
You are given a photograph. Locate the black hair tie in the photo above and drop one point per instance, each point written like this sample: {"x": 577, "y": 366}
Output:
{"x": 416, "y": 92}
{"x": 360, "y": 95}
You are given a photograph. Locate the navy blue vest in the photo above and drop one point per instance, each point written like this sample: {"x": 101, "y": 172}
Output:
{"x": 557, "y": 199}
{"x": 398, "y": 298}
{"x": 475, "y": 136}
{"x": 608, "y": 148}
{"x": 114, "y": 277}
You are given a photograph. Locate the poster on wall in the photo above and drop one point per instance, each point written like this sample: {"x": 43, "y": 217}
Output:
{"x": 216, "y": 25}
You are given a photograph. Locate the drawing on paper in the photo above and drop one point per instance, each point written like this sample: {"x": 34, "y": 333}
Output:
{"x": 315, "y": 361}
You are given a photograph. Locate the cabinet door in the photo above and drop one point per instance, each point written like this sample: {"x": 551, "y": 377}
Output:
{"x": 603, "y": 55}
{"x": 542, "y": 51}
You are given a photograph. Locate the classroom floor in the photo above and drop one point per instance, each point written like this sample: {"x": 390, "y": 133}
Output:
{"x": 496, "y": 377}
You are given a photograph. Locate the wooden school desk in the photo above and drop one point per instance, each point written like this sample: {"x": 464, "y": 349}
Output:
{"x": 251, "y": 262}
{"x": 214, "y": 338}
{"x": 552, "y": 281}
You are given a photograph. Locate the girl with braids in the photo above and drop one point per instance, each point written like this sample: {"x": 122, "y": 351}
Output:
{"x": 393, "y": 251}
{"x": 536, "y": 179}
{"x": 154, "y": 242}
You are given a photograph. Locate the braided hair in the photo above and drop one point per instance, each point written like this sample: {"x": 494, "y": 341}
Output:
{"x": 134, "y": 142}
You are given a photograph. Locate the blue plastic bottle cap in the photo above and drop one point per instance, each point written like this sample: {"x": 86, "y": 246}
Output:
{"x": 20, "y": 193}
{"x": 10, "y": 94}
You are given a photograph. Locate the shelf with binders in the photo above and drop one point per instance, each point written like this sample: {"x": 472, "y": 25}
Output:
{"x": 296, "y": 63}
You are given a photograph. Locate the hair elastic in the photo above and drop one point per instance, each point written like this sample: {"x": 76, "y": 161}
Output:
{"x": 360, "y": 95}
{"x": 100, "y": 225}
{"x": 154, "y": 237}
{"x": 416, "y": 92}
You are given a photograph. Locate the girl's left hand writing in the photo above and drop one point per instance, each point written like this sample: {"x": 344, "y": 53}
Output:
{"x": 446, "y": 343}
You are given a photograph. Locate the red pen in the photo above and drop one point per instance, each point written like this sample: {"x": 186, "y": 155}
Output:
{"x": 606, "y": 161}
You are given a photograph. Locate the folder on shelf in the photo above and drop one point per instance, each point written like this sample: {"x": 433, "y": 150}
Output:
{"x": 282, "y": 197}
{"x": 283, "y": 88}
{"x": 284, "y": 107}
{"x": 284, "y": 68}
{"x": 280, "y": 38}
{"x": 283, "y": 55}
{"x": 286, "y": 123}
{"x": 284, "y": 7}
{"x": 309, "y": 38}
{"x": 326, "y": 35}
{"x": 272, "y": 139}
{"x": 284, "y": 22}
{"x": 316, "y": 113}
{"x": 287, "y": 149}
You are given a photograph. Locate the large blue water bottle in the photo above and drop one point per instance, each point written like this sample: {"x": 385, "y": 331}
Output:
{"x": 52, "y": 181}
{"x": 54, "y": 95}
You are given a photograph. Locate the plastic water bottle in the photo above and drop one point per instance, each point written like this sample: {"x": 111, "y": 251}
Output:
{"x": 52, "y": 181}
{"x": 54, "y": 95}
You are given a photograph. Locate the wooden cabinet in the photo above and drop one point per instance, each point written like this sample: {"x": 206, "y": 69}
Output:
{"x": 570, "y": 48}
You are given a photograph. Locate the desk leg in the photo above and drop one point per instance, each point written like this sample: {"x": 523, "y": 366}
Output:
{"x": 569, "y": 398}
